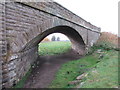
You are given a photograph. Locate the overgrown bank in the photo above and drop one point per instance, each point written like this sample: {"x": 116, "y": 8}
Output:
{"x": 98, "y": 69}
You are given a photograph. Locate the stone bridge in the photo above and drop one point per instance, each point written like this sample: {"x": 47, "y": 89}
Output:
{"x": 23, "y": 25}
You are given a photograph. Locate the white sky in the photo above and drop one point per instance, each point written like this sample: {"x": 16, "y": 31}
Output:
{"x": 62, "y": 36}
{"x": 101, "y": 13}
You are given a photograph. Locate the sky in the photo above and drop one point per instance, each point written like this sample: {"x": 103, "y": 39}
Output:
{"x": 101, "y": 13}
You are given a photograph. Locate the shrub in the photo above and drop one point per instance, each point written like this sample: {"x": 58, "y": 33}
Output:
{"x": 108, "y": 41}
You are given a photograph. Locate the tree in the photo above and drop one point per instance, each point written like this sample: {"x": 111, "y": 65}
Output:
{"x": 53, "y": 38}
{"x": 45, "y": 40}
{"x": 58, "y": 38}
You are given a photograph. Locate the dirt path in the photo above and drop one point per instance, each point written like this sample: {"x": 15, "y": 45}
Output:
{"x": 44, "y": 73}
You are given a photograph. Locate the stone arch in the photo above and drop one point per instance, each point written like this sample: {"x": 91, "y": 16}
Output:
{"x": 50, "y": 26}
{"x": 77, "y": 42}
{"x": 25, "y": 46}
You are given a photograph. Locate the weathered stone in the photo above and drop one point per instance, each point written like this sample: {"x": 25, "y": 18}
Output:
{"x": 100, "y": 56}
{"x": 80, "y": 85}
{"x": 81, "y": 76}
{"x": 99, "y": 51}
{"x": 74, "y": 82}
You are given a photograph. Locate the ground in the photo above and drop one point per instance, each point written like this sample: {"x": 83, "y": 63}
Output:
{"x": 59, "y": 70}
{"x": 45, "y": 71}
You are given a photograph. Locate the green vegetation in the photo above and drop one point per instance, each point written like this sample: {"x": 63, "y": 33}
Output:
{"x": 100, "y": 75}
{"x": 105, "y": 74}
{"x": 53, "y": 48}
{"x": 100, "y": 64}
{"x": 70, "y": 70}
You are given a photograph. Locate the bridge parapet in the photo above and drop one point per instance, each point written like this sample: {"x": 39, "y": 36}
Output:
{"x": 57, "y": 10}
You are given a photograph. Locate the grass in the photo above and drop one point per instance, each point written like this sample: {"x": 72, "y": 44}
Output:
{"x": 74, "y": 68}
{"x": 53, "y": 48}
{"x": 102, "y": 73}
{"x": 106, "y": 75}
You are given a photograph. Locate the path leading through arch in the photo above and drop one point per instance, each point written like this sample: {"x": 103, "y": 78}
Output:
{"x": 45, "y": 71}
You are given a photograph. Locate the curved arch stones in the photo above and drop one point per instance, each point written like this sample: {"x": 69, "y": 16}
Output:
{"x": 25, "y": 24}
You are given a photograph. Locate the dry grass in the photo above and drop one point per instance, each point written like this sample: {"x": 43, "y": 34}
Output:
{"x": 109, "y": 39}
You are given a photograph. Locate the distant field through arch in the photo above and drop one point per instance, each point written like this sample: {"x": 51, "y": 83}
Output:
{"x": 54, "y": 44}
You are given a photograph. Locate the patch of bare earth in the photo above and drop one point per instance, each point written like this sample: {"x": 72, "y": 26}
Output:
{"x": 44, "y": 73}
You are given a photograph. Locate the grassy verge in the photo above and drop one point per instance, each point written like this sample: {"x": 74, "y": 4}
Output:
{"x": 100, "y": 75}
{"x": 53, "y": 48}
{"x": 74, "y": 68}
{"x": 101, "y": 68}
{"x": 105, "y": 74}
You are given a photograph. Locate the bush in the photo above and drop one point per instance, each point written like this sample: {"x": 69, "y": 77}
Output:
{"x": 108, "y": 41}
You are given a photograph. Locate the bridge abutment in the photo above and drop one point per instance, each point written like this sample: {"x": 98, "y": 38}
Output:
{"x": 19, "y": 63}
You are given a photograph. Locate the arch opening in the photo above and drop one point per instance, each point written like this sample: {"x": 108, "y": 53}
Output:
{"x": 53, "y": 62}
{"x": 76, "y": 40}
{"x": 54, "y": 44}
{"x": 28, "y": 51}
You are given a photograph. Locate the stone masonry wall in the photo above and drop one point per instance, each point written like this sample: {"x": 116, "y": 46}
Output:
{"x": 3, "y": 42}
{"x": 19, "y": 64}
